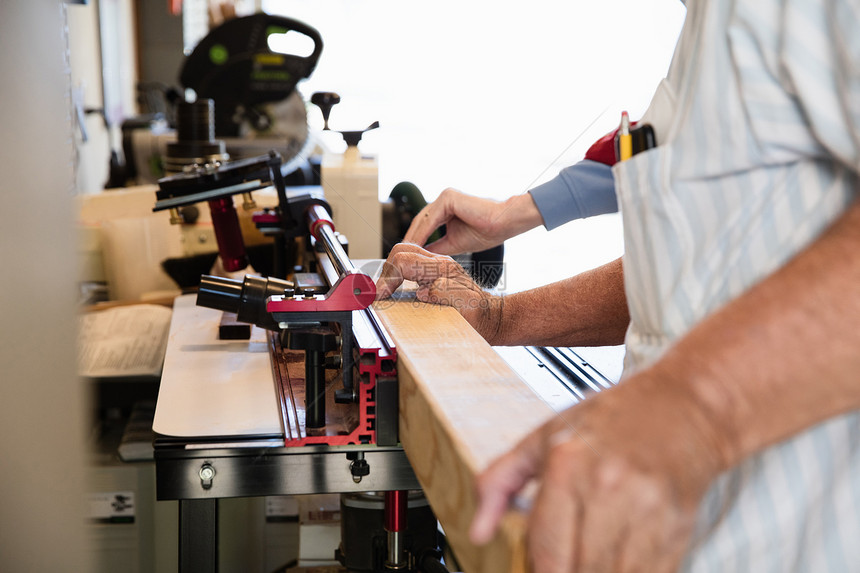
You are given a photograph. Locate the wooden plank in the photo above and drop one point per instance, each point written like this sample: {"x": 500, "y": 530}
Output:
{"x": 460, "y": 407}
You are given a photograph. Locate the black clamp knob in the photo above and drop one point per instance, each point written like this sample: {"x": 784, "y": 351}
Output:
{"x": 359, "y": 466}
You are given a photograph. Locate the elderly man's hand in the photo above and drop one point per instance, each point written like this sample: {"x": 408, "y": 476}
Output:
{"x": 441, "y": 280}
{"x": 620, "y": 479}
{"x": 472, "y": 223}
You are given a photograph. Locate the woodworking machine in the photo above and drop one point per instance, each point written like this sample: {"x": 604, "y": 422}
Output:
{"x": 334, "y": 373}
{"x": 306, "y": 400}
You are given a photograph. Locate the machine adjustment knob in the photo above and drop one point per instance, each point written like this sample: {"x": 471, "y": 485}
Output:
{"x": 359, "y": 466}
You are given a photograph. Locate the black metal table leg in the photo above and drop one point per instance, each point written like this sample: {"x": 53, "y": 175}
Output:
{"x": 198, "y": 536}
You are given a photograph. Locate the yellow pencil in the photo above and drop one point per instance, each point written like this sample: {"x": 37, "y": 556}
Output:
{"x": 625, "y": 141}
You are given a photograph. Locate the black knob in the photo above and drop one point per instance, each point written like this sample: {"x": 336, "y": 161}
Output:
{"x": 325, "y": 101}
{"x": 359, "y": 468}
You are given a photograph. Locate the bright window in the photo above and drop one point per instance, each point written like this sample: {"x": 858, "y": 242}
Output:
{"x": 487, "y": 96}
{"x": 491, "y": 98}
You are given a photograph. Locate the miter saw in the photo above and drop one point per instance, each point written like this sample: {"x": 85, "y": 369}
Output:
{"x": 249, "y": 68}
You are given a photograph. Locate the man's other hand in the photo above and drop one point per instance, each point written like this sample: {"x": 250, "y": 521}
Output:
{"x": 620, "y": 478}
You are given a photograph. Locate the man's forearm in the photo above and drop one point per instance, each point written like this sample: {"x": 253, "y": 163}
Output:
{"x": 783, "y": 356}
{"x": 589, "y": 309}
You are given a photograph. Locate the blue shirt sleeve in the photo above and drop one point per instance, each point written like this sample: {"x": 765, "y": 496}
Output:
{"x": 582, "y": 190}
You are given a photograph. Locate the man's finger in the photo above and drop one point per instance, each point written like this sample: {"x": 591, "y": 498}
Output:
{"x": 407, "y": 247}
{"x": 421, "y": 268}
{"x": 434, "y": 215}
{"x": 442, "y": 246}
{"x": 456, "y": 291}
{"x": 554, "y": 530}
{"x": 411, "y": 262}
{"x": 425, "y": 222}
{"x": 422, "y": 294}
{"x": 389, "y": 280}
{"x": 498, "y": 484}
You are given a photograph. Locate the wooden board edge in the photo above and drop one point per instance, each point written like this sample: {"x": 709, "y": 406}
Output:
{"x": 506, "y": 552}
{"x": 445, "y": 457}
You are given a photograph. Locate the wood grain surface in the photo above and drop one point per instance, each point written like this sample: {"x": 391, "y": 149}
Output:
{"x": 461, "y": 406}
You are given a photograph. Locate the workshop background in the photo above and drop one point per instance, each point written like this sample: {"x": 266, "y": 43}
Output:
{"x": 492, "y": 98}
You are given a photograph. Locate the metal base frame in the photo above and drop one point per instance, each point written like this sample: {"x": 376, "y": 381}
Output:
{"x": 198, "y": 478}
